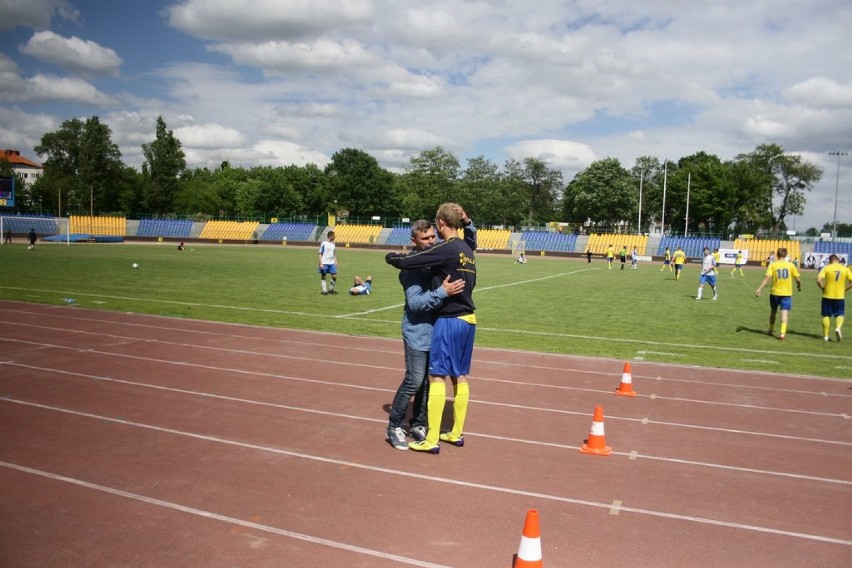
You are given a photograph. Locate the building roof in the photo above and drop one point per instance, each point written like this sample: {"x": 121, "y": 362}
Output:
{"x": 15, "y": 159}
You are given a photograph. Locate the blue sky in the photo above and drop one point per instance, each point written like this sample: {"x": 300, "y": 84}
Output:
{"x": 275, "y": 82}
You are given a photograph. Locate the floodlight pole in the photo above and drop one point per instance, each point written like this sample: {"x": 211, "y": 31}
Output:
{"x": 641, "y": 179}
{"x": 665, "y": 178}
{"x": 686, "y": 217}
{"x": 837, "y": 153}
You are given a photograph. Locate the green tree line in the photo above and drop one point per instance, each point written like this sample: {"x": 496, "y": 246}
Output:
{"x": 696, "y": 194}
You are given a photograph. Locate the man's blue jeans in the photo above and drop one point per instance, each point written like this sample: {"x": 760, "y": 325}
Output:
{"x": 416, "y": 384}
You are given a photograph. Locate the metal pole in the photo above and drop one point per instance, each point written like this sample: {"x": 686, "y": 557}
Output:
{"x": 665, "y": 177}
{"x": 837, "y": 153}
{"x": 641, "y": 179}
{"x": 686, "y": 218}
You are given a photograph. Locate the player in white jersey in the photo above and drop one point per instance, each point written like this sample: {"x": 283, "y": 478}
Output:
{"x": 328, "y": 264}
{"x": 708, "y": 274}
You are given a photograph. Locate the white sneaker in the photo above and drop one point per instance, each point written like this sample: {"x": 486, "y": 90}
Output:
{"x": 837, "y": 334}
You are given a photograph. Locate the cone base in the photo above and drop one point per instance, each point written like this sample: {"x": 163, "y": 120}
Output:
{"x": 605, "y": 451}
{"x": 620, "y": 392}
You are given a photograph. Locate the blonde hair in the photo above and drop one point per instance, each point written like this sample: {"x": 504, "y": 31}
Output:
{"x": 450, "y": 213}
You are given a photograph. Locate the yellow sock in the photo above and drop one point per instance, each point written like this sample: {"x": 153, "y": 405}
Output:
{"x": 838, "y": 322}
{"x": 825, "y": 323}
{"x": 783, "y": 329}
{"x": 460, "y": 408}
{"x": 435, "y": 410}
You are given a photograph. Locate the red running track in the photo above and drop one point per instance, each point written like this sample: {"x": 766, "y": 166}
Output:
{"x": 133, "y": 440}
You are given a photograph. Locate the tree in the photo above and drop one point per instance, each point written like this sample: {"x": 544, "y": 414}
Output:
{"x": 164, "y": 163}
{"x": 647, "y": 172}
{"x": 359, "y": 185}
{"x": 785, "y": 179}
{"x": 603, "y": 193}
{"x": 542, "y": 188}
{"x": 432, "y": 178}
{"x": 83, "y": 165}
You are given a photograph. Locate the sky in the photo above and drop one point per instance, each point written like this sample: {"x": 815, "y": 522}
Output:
{"x": 280, "y": 82}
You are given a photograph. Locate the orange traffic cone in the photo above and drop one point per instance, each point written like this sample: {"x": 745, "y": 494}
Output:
{"x": 626, "y": 386}
{"x": 529, "y": 552}
{"x": 596, "y": 443}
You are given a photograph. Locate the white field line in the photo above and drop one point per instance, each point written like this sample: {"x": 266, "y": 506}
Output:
{"x": 436, "y": 479}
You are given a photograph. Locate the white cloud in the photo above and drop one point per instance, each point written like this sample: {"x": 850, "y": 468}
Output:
{"x": 209, "y": 136}
{"x": 261, "y": 20}
{"x": 278, "y": 56}
{"x": 73, "y": 54}
{"x": 559, "y": 154}
{"x": 45, "y": 88}
{"x": 279, "y": 153}
{"x": 35, "y": 13}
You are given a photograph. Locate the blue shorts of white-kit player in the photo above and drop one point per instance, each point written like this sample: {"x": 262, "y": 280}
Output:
{"x": 327, "y": 269}
{"x": 452, "y": 347}
{"x": 708, "y": 279}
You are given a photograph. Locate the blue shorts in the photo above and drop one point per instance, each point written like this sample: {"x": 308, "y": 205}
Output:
{"x": 328, "y": 269}
{"x": 708, "y": 279}
{"x": 784, "y": 302}
{"x": 452, "y": 347}
{"x": 833, "y": 308}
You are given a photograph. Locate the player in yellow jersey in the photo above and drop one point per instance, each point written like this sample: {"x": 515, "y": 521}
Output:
{"x": 717, "y": 256}
{"x": 782, "y": 272}
{"x": 610, "y": 255}
{"x": 738, "y": 264}
{"x": 667, "y": 260}
{"x": 679, "y": 258}
{"x": 834, "y": 279}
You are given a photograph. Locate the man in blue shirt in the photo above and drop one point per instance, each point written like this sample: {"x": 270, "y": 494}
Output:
{"x": 417, "y": 323}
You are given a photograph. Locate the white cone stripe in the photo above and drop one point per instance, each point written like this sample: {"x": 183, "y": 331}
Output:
{"x": 530, "y": 549}
{"x": 626, "y": 378}
{"x": 597, "y": 429}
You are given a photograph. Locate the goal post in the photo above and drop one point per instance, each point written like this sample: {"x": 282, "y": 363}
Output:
{"x": 519, "y": 247}
{"x": 20, "y": 226}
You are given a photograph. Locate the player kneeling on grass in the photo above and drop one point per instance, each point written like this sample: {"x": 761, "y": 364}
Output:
{"x": 361, "y": 286}
{"x": 708, "y": 274}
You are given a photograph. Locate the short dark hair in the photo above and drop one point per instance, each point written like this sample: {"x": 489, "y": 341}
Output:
{"x": 420, "y": 226}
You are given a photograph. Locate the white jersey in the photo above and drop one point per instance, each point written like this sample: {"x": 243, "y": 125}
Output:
{"x": 327, "y": 251}
{"x": 708, "y": 264}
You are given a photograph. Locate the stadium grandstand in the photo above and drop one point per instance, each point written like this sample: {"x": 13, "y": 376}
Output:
{"x": 760, "y": 249}
{"x": 599, "y": 243}
{"x": 22, "y": 225}
{"x": 357, "y": 233}
{"x": 693, "y": 247}
{"x": 289, "y": 231}
{"x": 175, "y": 228}
{"x": 107, "y": 226}
{"x": 828, "y": 247}
{"x": 399, "y": 236}
{"x": 230, "y": 230}
{"x": 549, "y": 241}
{"x": 492, "y": 239}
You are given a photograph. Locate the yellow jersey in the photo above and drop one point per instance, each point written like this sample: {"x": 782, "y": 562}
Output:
{"x": 835, "y": 277}
{"x": 610, "y": 252}
{"x": 783, "y": 272}
{"x": 679, "y": 257}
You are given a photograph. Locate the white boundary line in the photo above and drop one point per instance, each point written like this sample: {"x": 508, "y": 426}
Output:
{"x": 489, "y": 436}
{"x": 223, "y": 518}
{"x": 447, "y": 481}
{"x": 643, "y": 342}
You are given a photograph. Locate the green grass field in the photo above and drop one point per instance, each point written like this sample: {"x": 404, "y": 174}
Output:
{"x": 549, "y": 304}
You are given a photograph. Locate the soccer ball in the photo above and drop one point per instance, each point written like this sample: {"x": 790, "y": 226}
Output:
{"x": 135, "y": 265}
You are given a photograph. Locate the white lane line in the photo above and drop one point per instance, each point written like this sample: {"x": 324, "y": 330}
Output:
{"x": 479, "y": 327}
{"x": 223, "y": 518}
{"x": 370, "y": 366}
{"x": 632, "y": 455}
{"x": 432, "y": 478}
